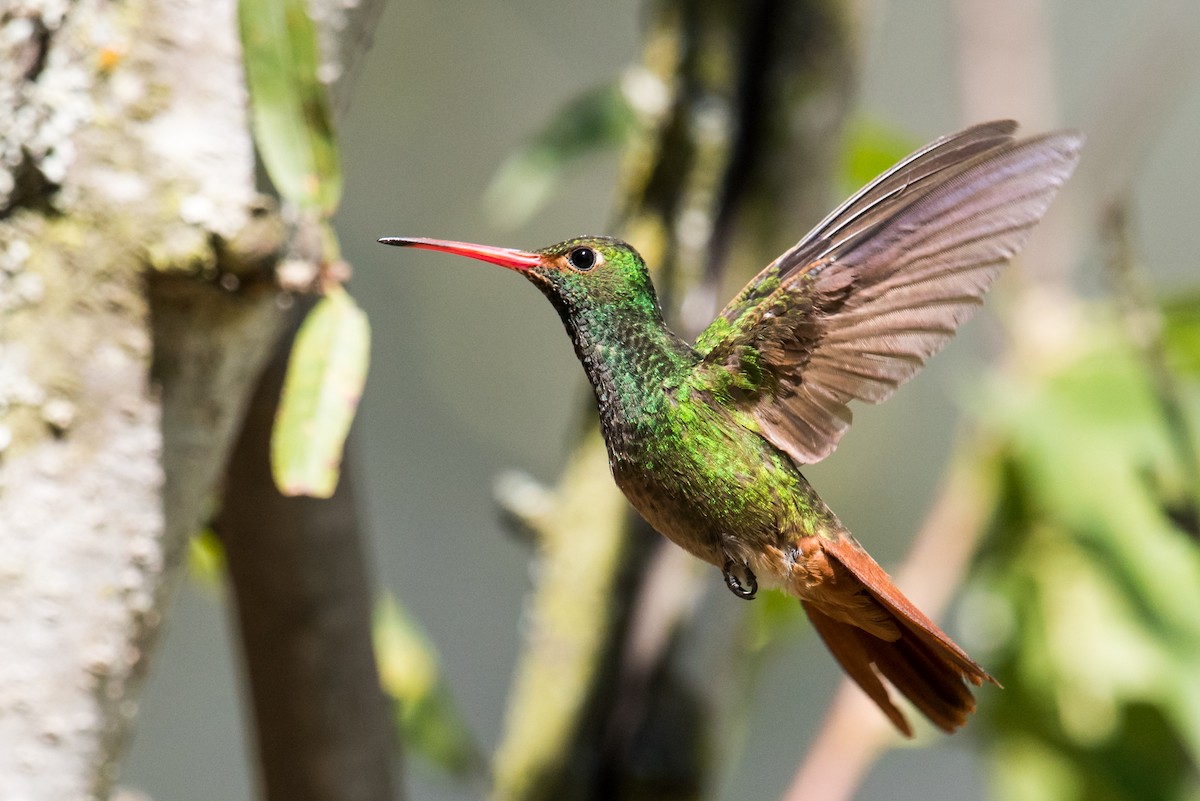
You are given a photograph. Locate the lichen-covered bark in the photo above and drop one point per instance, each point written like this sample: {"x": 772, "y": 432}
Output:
{"x": 82, "y": 531}
{"x": 123, "y": 164}
{"x": 137, "y": 304}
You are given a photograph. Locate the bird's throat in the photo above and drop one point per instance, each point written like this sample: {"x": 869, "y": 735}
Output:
{"x": 630, "y": 357}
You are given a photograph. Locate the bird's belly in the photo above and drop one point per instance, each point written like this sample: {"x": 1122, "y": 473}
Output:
{"x": 676, "y": 520}
{"x": 748, "y": 510}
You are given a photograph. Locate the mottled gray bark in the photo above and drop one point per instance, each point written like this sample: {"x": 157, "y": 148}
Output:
{"x": 137, "y": 304}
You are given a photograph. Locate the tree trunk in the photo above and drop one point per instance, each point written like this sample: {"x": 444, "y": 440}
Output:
{"x": 137, "y": 305}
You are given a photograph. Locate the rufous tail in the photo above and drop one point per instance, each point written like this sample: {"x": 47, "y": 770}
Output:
{"x": 902, "y": 645}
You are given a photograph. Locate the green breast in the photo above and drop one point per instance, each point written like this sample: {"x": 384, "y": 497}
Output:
{"x": 708, "y": 483}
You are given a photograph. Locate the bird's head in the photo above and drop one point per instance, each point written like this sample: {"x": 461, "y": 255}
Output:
{"x": 583, "y": 277}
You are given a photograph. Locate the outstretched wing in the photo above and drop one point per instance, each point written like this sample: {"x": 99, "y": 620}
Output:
{"x": 858, "y": 305}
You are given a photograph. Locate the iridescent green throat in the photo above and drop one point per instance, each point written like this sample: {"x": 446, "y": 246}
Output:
{"x": 620, "y": 337}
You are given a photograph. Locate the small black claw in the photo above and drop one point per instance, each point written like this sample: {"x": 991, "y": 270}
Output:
{"x": 744, "y": 586}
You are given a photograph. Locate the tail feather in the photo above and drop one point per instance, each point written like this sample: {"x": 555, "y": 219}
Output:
{"x": 923, "y": 663}
{"x": 933, "y": 686}
{"x": 908, "y": 664}
{"x": 846, "y": 644}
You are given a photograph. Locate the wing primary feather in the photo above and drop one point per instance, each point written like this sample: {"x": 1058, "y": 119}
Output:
{"x": 935, "y": 156}
{"x": 855, "y": 308}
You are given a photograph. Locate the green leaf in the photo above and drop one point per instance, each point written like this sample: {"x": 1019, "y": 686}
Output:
{"x": 325, "y": 376}
{"x": 429, "y": 721}
{"x": 598, "y": 120}
{"x": 293, "y": 126}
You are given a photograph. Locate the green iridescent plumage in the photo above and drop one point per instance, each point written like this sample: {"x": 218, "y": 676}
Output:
{"x": 689, "y": 458}
{"x": 707, "y": 441}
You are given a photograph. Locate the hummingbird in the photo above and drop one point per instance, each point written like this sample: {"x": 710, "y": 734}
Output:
{"x": 707, "y": 440}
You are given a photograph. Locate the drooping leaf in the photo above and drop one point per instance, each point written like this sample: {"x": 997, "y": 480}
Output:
{"x": 598, "y": 120}
{"x": 293, "y": 126}
{"x": 428, "y": 719}
{"x": 325, "y": 376}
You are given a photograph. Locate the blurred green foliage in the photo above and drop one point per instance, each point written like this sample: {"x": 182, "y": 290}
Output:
{"x": 871, "y": 147}
{"x": 596, "y": 121}
{"x": 1092, "y": 573}
{"x": 293, "y": 131}
{"x": 428, "y": 720}
{"x": 206, "y": 560}
{"x": 1181, "y": 332}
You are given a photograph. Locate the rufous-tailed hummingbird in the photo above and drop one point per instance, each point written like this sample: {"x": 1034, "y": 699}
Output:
{"x": 707, "y": 440}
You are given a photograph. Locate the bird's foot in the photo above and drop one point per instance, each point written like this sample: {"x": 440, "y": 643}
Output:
{"x": 742, "y": 583}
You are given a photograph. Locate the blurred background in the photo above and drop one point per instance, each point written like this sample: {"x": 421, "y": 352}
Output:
{"x": 471, "y": 374}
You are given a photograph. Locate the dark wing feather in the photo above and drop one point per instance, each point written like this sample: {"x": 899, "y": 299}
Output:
{"x": 856, "y": 308}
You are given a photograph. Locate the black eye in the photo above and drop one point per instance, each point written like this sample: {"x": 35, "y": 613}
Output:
{"x": 582, "y": 259}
